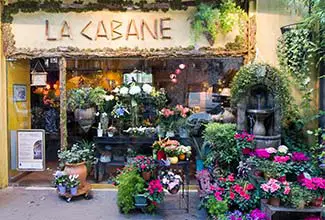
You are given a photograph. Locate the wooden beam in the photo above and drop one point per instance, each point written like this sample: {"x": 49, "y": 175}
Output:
{"x": 63, "y": 104}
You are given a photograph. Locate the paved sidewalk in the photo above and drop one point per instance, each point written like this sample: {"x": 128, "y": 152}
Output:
{"x": 44, "y": 204}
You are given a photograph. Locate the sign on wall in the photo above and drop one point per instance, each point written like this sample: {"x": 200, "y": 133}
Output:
{"x": 30, "y": 150}
{"x": 107, "y": 29}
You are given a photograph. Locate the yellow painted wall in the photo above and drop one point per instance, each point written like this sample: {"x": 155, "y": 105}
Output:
{"x": 3, "y": 119}
{"x": 19, "y": 113}
{"x": 270, "y": 17}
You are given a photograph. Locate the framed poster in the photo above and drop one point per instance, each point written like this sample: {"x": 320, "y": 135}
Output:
{"x": 31, "y": 150}
{"x": 20, "y": 92}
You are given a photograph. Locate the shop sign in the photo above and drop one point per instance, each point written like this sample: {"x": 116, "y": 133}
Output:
{"x": 30, "y": 150}
{"x": 106, "y": 29}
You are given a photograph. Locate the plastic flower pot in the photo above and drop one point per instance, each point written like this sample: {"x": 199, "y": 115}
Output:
{"x": 140, "y": 200}
{"x": 62, "y": 189}
{"x": 199, "y": 165}
{"x": 317, "y": 202}
{"x": 146, "y": 175}
{"x": 181, "y": 157}
{"x": 161, "y": 155}
{"x": 274, "y": 201}
{"x": 74, "y": 190}
{"x": 173, "y": 160}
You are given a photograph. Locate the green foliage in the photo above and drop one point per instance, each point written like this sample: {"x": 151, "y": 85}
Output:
{"x": 300, "y": 194}
{"x": 130, "y": 184}
{"x": 86, "y": 98}
{"x": 295, "y": 52}
{"x": 256, "y": 74}
{"x": 212, "y": 20}
{"x": 224, "y": 148}
{"x": 79, "y": 152}
{"x": 216, "y": 208}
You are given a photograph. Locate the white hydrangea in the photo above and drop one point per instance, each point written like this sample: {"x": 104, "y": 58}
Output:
{"x": 134, "y": 90}
{"x": 109, "y": 97}
{"x": 124, "y": 90}
{"x": 147, "y": 88}
{"x": 282, "y": 149}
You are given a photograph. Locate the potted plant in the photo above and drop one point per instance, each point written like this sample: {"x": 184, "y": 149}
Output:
{"x": 172, "y": 152}
{"x": 82, "y": 101}
{"x": 145, "y": 166}
{"x": 61, "y": 179}
{"x": 317, "y": 186}
{"x": 158, "y": 149}
{"x": 274, "y": 191}
{"x": 172, "y": 182}
{"x": 300, "y": 196}
{"x": 201, "y": 153}
{"x": 131, "y": 186}
{"x": 155, "y": 194}
{"x": 184, "y": 152}
{"x": 73, "y": 183}
{"x": 214, "y": 207}
{"x": 77, "y": 159}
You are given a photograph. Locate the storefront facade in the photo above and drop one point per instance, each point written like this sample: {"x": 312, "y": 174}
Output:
{"x": 107, "y": 44}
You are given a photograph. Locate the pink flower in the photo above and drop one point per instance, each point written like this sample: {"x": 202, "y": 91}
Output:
{"x": 262, "y": 153}
{"x": 265, "y": 187}
{"x": 250, "y": 138}
{"x": 274, "y": 187}
{"x": 281, "y": 159}
{"x": 287, "y": 190}
{"x": 271, "y": 150}
{"x": 299, "y": 156}
{"x": 237, "y": 136}
{"x": 143, "y": 166}
{"x": 217, "y": 195}
{"x": 167, "y": 112}
{"x": 231, "y": 177}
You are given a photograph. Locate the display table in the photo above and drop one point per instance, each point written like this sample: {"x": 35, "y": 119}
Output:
{"x": 272, "y": 210}
{"x": 141, "y": 144}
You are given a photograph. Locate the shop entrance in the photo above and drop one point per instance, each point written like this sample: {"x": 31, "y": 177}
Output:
{"x": 201, "y": 85}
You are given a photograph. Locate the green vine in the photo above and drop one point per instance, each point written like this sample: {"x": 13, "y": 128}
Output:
{"x": 295, "y": 53}
{"x": 212, "y": 20}
{"x": 261, "y": 74}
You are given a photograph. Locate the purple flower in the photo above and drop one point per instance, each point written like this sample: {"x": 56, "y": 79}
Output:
{"x": 262, "y": 153}
{"x": 299, "y": 156}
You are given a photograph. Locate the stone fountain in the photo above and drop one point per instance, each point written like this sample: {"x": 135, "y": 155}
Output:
{"x": 259, "y": 114}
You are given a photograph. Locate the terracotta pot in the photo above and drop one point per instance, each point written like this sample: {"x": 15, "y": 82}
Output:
{"x": 317, "y": 202}
{"x": 79, "y": 169}
{"x": 274, "y": 201}
{"x": 173, "y": 160}
{"x": 301, "y": 205}
{"x": 161, "y": 155}
{"x": 146, "y": 175}
{"x": 181, "y": 157}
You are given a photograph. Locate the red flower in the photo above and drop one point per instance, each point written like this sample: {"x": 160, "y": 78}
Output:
{"x": 246, "y": 151}
{"x": 247, "y": 197}
{"x": 231, "y": 195}
{"x": 237, "y": 136}
{"x": 154, "y": 203}
{"x": 217, "y": 195}
{"x": 222, "y": 179}
{"x": 250, "y": 186}
{"x": 282, "y": 179}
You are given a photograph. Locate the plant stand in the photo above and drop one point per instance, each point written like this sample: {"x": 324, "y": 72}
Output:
{"x": 272, "y": 210}
{"x": 82, "y": 191}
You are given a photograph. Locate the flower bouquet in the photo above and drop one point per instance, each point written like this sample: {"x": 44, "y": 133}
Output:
{"x": 274, "y": 191}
